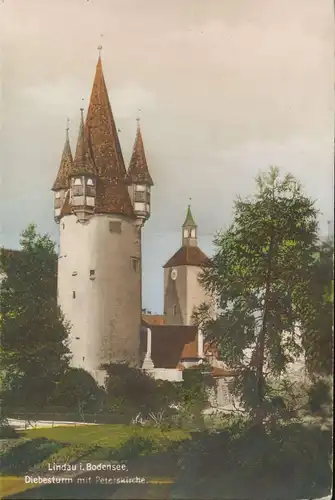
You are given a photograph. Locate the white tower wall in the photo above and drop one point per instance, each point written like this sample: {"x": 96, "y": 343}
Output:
{"x": 99, "y": 289}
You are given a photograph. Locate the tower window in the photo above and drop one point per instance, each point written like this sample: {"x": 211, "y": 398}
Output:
{"x": 115, "y": 226}
{"x": 90, "y": 182}
{"x": 73, "y": 294}
{"x": 77, "y": 182}
{"x": 174, "y": 310}
{"x": 92, "y": 274}
{"x": 135, "y": 262}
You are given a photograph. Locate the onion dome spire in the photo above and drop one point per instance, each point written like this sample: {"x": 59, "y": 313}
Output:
{"x": 62, "y": 179}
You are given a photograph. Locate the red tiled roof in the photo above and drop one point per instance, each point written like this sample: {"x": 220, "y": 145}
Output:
{"x": 62, "y": 179}
{"x": 112, "y": 193}
{"x": 170, "y": 344}
{"x": 153, "y": 319}
{"x": 188, "y": 256}
{"x": 138, "y": 168}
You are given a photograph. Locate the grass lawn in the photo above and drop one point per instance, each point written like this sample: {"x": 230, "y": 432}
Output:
{"x": 147, "y": 449}
{"x": 9, "y": 485}
{"x": 109, "y": 435}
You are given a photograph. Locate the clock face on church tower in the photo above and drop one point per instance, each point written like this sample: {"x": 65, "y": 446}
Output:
{"x": 174, "y": 274}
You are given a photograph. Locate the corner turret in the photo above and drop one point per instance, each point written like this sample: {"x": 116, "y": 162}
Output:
{"x": 83, "y": 177}
{"x": 61, "y": 184}
{"x": 139, "y": 180}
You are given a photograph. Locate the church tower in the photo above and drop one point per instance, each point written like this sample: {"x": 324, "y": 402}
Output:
{"x": 99, "y": 266}
{"x": 182, "y": 290}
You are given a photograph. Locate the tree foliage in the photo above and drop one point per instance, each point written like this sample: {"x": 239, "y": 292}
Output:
{"x": 34, "y": 351}
{"x": 318, "y": 305}
{"x": 78, "y": 390}
{"x": 259, "y": 276}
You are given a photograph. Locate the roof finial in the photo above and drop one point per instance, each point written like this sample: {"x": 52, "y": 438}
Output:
{"x": 138, "y": 119}
{"x": 190, "y": 200}
{"x": 100, "y": 49}
{"x": 67, "y": 128}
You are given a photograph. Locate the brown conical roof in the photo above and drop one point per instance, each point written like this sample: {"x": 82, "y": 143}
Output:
{"x": 112, "y": 192}
{"x": 83, "y": 163}
{"x": 138, "y": 171}
{"x": 62, "y": 179}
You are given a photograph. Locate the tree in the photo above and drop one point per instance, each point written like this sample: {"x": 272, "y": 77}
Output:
{"x": 259, "y": 275}
{"x": 317, "y": 320}
{"x": 78, "y": 390}
{"x": 131, "y": 391}
{"x": 34, "y": 335}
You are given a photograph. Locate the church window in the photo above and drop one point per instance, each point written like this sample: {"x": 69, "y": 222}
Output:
{"x": 73, "y": 294}
{"x": 185, "y": 233}
{"x": 193, "y": 233}
{"x": 115, "y": 226}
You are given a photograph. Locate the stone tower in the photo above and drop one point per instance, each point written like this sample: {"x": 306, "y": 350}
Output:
{"x": 101, "y": 209}
{"x": 182, "y": 290}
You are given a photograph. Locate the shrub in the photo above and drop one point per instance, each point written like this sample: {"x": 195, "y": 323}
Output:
{"x": 21, "y": 458}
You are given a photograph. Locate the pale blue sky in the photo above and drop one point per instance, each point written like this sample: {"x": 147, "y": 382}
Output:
{"x": 226, "y": 87}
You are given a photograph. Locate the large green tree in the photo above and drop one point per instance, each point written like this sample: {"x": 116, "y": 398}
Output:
{"x": 34, "y": 336}
{"x": 260, "y": 275}
{"x": 318, "y": 308}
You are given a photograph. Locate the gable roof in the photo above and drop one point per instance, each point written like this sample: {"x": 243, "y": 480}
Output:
{"x": 170, "y": 344}
{"x": 153, "y": 319}
{"x": 188, "y": 256}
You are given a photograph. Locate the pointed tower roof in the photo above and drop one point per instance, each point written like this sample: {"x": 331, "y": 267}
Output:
{"x": 189, "y": 221}
{"x": 62, "y": 179}
{"x": 138, "y": 171}
{"x": 112, "y": 192}
{"x": 83, "y": 163}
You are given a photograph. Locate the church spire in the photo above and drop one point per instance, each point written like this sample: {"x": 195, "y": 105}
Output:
{"x": 112, "y": 192}
{"x": 189, "y": 228}
{"x": 138, "y": 172}
{"x": 62, "y": 179}
{"x": 83, "y": 163}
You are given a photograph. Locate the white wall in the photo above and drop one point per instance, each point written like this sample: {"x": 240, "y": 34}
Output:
{"x": 106, "y": 312}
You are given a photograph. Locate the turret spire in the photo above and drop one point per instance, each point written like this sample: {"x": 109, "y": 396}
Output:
{"x": 138, "y": 172}
{"x": 62, "y": 179}
{"x": 112, "y": 192}
{"x": 189, "y": 229}
{"x": 83, "y": 163}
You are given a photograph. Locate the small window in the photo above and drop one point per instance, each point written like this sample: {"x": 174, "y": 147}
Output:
{"x": 58, "y": 194}
{"x": 135, "y": 264}
{"x": 115, "y": 226}
{"x": 140, "y": 187}
{"x": 77, "y": 182}
{"x": 73, "y": 294}
{"x": 74, "y": 273}
{"x": 174, "y": 309}
{"x": 92, "y": 273}
{"x": 90, "y": 182}
{"x": 63, "y": 225}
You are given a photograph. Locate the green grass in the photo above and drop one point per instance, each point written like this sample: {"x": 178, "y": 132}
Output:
{"x": 105, "y": 436}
